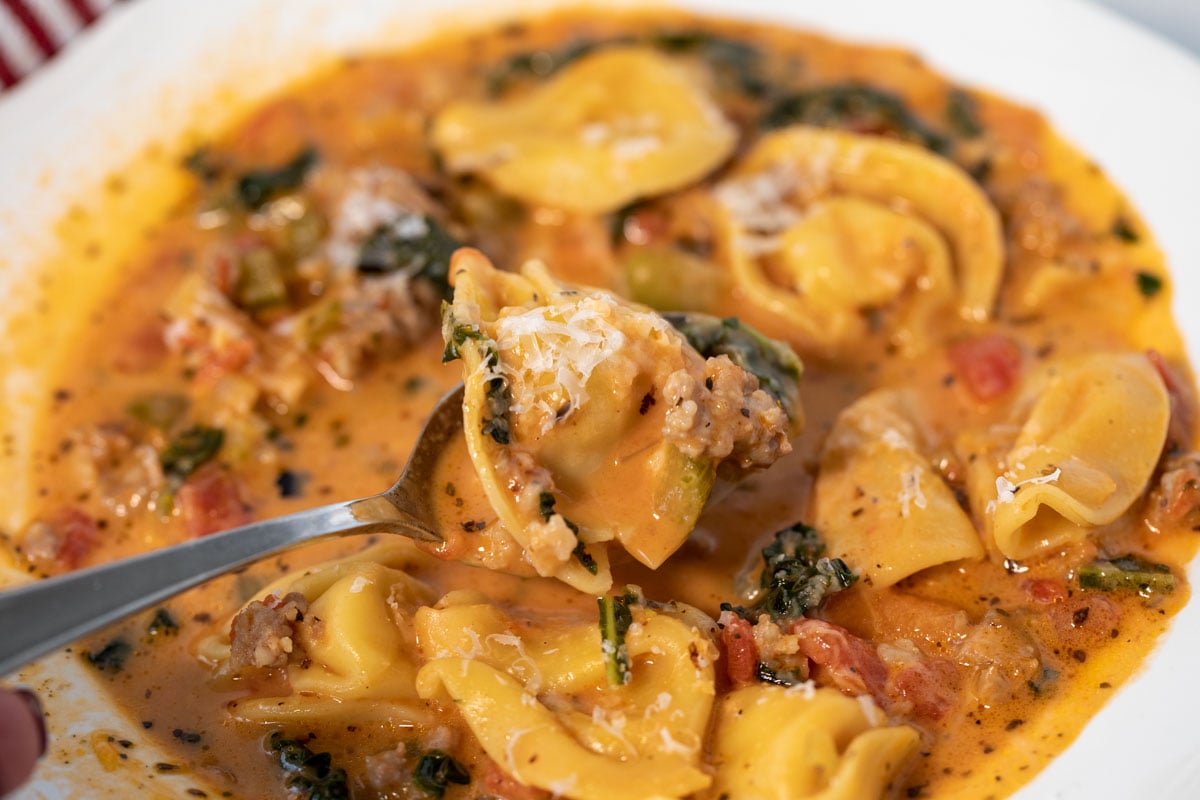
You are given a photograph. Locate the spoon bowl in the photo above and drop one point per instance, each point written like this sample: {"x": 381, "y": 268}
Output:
{"x": 48, "y": 614}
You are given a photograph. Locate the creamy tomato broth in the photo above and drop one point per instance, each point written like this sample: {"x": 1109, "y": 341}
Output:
{"x": 996, "y": 457}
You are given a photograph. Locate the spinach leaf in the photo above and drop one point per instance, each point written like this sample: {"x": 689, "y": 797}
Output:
{"x": 615, "y": 619}
{"x": 961, "y": 114}
{"x": 737, "y": 63}
{"x": 257, "y": 187}
{"x": 415, "y": 245}
{"x": 436, "y": 771}
{"x": 1127, "y": 572}
{"x": 539, "y": 64}
{"x": 190, "y": 450}
{"x": 310, "y": 775}
{"x": 110, "y": 658}
{"x": 853, "y": 107}
{"x": 796, "y": 576}
{"x": 773, "y": 363}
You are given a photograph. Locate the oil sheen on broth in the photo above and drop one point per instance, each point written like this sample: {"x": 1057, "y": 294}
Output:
{"x": 998, "y": 439}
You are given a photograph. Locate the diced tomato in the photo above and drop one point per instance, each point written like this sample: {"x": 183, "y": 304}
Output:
{"x": 848, "y": 662}
{"x": 232, "y": 356}
{"x": 143, "y": 350}
{"x": 211, "y": 501}
{"x": 1177, "y": 496}
{"x": 930, "y": 686}
{"x": 499, "y": 784}
{"x": 78, "y": 534}
{"x": 645, "y": 225}
{"x": 741, "y": 654}
{"x": 1087, "y": 616}
{"x": 1045, "y": 590}
{"x": 1179, "y": 430}
{"x": 987, "y": 365}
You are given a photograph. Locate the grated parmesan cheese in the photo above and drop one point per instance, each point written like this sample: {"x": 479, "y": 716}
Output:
{"x": 534, "y": 682}
{"x": 550, "y": 352}
{"x": 1006, "y": 490}
{"x": 910, "y": 490}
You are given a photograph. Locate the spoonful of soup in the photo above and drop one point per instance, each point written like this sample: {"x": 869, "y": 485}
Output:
{"x": 41, "y": 617}
{"x": 593, "y": 423}
{"x": 584, "y": 422}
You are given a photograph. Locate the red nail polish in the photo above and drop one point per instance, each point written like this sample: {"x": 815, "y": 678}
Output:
{"x": 35, "y": 709}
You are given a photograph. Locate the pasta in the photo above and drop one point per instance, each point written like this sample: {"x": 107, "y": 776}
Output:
{"x": 640, "y": 740}
{"x": 1086, "y": 450}
{"x": 572, "y": 144}
{"x": 345, "y": 650}
{"x": 562, "y": 400}
{"x": 826, "y": 432}
{"x": 815, "y": 236}
{"x": 911, "y": 520}
{"x": 825, "y": 745}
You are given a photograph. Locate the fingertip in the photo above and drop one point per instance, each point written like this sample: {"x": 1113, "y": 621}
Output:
{"x": 22, "y": 737}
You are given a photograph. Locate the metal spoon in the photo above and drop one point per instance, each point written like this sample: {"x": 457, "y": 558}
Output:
{"x": 44, "y": 616}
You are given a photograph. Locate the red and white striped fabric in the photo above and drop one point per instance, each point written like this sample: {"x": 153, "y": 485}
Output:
{"x": 31, "y": 31}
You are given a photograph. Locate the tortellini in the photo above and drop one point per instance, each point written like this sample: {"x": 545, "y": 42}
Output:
{"x": 820, "y": 228}
{"x": 801, "y": 743}
{"x": 540, "y": 704}
{"x": 879, "y": 503}
{"x": 1092, "y": 431}
{"x": 351, "y": 645}
{"x": 575, "y": 397}
{"x": 619, "y": 124}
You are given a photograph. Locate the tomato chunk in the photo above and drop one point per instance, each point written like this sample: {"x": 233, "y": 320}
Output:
{"x": 741, "y": 654}
{"x": 1179, "y": 430}
{"x": 78, "y": 535}
{"x": 845, "y": 660}
{"x": 929, "y": 686}
{"x": 211, "y": 501}
{"x": 987, "y": 365}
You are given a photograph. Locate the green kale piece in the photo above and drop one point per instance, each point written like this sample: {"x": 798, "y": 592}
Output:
{"x": 796, "y": 576}
{"x": 615, "y": 619}
{"x": 112, "y": 657}
{"x": 773, "y": 363}
{"x": 456, "y": 334}
{"x": 1148, "y": 284}
{"x": 415, "y": 245}
{"x": 854, "y": 107}
{"x": 201, "y": 163}
{"x": 736, "y": 62}
{"x": 162, "y": 624}
{"x": 259, "y": 186}
{"x": 546, "y": 501}
{"x": 1127, "y": 572}
{"x": 1123, "y": 230}
{"x": 190, "y": 450}
{"x": 538, "y": 64}
{"x": 311, "y": 776}
{"x": 962, "y": 115}
{"x": 436, "y": 771}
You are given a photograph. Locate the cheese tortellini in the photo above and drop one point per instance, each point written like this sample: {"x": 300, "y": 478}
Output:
{"x": 821, "y": 228}
{"x": 340, "y": 635}
{"x": 574, "y": 397}
{"x": 618, "y": 124}
{"x": 540, "y": 704}
{"x": 879, "y": 503}
{"x": 1092, "y": 432}
{"x": 802, "y": 743}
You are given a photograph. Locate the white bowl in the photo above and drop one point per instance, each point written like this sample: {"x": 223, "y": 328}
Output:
{"x": 150, "y": 70}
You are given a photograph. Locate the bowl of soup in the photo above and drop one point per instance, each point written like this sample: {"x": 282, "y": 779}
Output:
{"x": 830, "y": 427}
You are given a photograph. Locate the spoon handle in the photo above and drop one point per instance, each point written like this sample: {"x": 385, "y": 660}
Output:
{"x": 43, "y": 616}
